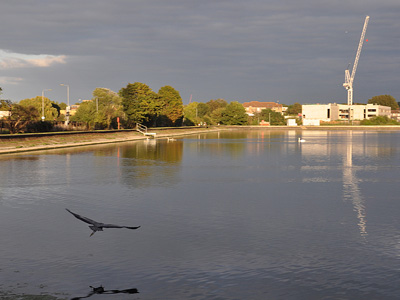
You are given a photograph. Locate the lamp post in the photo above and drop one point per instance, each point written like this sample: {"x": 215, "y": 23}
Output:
{"x": 68, "y": 108}
{"x": 44, "y": 90}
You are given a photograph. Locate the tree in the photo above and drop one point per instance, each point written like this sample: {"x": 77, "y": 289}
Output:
{"x": 86, "y": 113}
{"x": 202, "y": 109}
{"x": 62, "y": 105}
{"x": 234, "y": 114}
{"x": 216, "y": 104}
{"x": 5, "y": 105}
{"x": 385, "y": 100}
{"x": 108, "y": 107}
{"x": 50, "y": 111}
{"x": 139, "y": 103}
{"x": 20, "y": 116}
{"x": 216, "y": 115}
{"x": 190, "y": 114}
{"x": 294, "y": 109}
{"x": 171, "y": 105}
{"x": 215, "y": 109}
{"x": 275, "y": 118}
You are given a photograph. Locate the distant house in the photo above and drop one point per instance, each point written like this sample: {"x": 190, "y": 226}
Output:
{"x": 253, "y": 107}
{"x": 4, "y": 114}
{"x": 396, "y": 115}
{"x": 343, "y": 112}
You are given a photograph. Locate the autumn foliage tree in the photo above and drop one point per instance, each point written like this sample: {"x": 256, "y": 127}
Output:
{"x": 171, "y": 106}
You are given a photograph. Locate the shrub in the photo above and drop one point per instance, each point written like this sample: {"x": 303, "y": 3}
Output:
{"x": 379, "y": 120}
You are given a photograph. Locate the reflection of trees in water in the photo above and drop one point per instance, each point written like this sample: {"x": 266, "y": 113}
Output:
{"x": 237, "y": 143}
{"x": 152, "y": 162}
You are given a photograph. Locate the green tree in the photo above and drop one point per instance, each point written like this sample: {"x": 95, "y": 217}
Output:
{"x": 50, "y": 111}
{"x": 139, "y": 103}
{"x": 86, "y": 113}
{"x": 171, "y": 106}
{"x": 385, "y": 100}
{"x": 62, "y": 105}
{"x": 215, "y": 109}
{"x": 21, "y": 116}
{"x": 190, "y": 114}
{"x": 202, "y": 109}
{"x": 234, "y": 114}
{"x": 294, "y": 109}
{"x": 275, "y": 118}
{"x": 5, "y": 105}
{"x": 108, "y": 107}
{"x": 216, "y": 104}
{"x": 216, "y": 115}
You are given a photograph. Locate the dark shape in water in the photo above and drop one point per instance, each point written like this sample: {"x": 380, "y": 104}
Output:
{"x": 101, "y": 290}
{"x": 97, "y": 226}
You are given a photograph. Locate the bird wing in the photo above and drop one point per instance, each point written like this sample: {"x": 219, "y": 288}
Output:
{"x": 118, "y": 226}
{"x": 130, "y": 227}
{"x": 82, "y": 218}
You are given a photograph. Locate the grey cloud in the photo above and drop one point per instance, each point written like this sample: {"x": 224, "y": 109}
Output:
{"x": 237, "y": 50}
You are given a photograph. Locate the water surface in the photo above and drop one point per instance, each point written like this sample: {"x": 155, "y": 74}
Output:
{"x": 230, "y": 215}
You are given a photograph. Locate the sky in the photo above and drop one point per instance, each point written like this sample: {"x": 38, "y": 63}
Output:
{"x": 249, "y": 50}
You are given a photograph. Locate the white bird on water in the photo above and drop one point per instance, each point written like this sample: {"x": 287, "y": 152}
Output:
{"x": 301, "y": 140}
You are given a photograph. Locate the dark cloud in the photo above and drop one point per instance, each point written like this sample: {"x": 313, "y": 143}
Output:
{"x": 238, "y": 50}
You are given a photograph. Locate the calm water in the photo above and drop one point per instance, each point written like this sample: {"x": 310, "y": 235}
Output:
{"x": 235, "y": 215}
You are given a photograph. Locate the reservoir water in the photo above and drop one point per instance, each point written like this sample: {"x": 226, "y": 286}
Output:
{"x": 229, "y": 215}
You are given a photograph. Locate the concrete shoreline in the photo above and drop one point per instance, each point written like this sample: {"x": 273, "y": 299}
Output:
{"x": 101, "y": 139}
{"x": 132, "y": 135}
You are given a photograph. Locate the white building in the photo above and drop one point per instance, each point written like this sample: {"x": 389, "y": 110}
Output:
{"x": 343, "y": 112}
{"x": 4, "y": 114}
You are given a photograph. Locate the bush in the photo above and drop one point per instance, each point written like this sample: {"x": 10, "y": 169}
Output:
{"x": 380, "y": 120}
{"x": 39, "y": 126}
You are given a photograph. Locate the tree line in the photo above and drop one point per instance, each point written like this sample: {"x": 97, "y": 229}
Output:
{"x": 135, "y": 103}
{"x": 138, "y": 103}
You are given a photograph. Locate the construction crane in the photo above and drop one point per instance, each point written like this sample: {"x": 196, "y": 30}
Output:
{"x": 349, "y": 78}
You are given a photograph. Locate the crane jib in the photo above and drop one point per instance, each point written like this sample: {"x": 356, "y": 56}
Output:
{"x": 349, "y": 78}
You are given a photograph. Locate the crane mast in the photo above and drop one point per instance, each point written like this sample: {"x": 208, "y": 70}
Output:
{"x": 349, "y": 78}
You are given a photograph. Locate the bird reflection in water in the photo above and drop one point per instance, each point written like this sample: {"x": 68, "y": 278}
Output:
{"x": 97, "y": 226}
{"x": 101, "y": 290}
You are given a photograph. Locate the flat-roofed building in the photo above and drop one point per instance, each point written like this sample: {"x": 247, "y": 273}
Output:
{"x": 343, "y": 112}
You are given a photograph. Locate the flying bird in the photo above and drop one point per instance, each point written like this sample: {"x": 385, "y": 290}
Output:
{"x": 97, "y": 226}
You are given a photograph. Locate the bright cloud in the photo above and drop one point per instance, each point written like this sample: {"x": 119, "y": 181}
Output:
{"x": 9, "y": 60}
{"x": 10, "y": 80}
